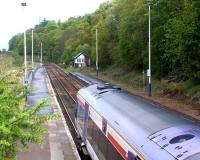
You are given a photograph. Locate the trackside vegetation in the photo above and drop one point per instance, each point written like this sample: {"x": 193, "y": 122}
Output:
{"x": 137, "y": 83}
{"x": 19, "y": 125}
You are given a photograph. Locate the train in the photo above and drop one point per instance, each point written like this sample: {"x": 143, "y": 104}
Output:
{"x": 113, "y": 124}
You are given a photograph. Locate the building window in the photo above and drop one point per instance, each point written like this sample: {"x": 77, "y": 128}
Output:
{"x": 79, "y": 60}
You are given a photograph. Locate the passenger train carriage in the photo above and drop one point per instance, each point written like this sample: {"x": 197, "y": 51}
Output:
{"x": 115, "y": 125}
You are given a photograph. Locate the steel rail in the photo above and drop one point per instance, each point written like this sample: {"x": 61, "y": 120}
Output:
{"x": 64, "y": 97}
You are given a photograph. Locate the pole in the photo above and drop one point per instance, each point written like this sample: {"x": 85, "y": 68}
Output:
{"x": 150, "y": 89}
{"x": 25, "y": 58}
{"x": 32, "y": 50}
{"x": 143, "y": 78}
{"x": 97, "y": 68}
{"x": 41, "y": 54}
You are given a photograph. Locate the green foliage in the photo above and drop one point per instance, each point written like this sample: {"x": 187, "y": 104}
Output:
{"x": 123, "y": 37}
{"x": 192, "y": 87}
{"x": 18, "y": 124}
{"x": 181, "y": 43}
{"x": 17, "y": 59}
{"x": 132, "y": 34}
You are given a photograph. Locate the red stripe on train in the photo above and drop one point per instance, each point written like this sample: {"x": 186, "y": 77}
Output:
{"x": 117, "y": 146}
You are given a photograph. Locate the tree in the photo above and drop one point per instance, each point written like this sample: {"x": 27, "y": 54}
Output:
{"x": 133, "y": 34}
{"x": 182, "y": 43}
{"x": 123, "y": 37}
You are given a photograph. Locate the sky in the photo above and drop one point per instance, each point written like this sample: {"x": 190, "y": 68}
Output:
{"x": 15, "y": 19}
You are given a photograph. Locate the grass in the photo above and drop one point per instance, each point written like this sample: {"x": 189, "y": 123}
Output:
{"x": 85, "y": 69}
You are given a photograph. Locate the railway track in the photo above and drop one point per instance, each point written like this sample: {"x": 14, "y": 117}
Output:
{"x": 66, "y": 86}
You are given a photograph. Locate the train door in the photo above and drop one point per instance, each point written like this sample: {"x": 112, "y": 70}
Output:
{"x": 85, "y": 121}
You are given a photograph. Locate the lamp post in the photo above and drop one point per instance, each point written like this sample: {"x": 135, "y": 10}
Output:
{"x": 41, "y": 53}
{"x": 25, "y": 58}
{"x": 97, "y": 67}
{"x": 32, "y": 51}
{"x": 149, "y": 70}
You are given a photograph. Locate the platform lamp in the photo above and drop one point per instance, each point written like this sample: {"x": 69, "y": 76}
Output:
{"x": 41, "y": 53}
{"x": 150, "y": 4}
{"x": 25, "y": 58}
{"x": 97, "y": 67}
{"x": 32, "y": 59}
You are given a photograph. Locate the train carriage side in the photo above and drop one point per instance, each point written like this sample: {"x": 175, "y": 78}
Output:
{"x": 116, "y": 125}
{"x": 89, "y": 125}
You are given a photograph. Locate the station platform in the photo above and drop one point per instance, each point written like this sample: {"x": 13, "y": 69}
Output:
{"x": 58, "y": 143}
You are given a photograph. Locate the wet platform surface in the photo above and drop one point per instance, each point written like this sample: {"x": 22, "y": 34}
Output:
{"x": 39, "y": 91}
{"x": 58, "y": 143}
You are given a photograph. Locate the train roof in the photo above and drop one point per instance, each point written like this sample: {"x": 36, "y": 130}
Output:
{"x": 143, "y": 123}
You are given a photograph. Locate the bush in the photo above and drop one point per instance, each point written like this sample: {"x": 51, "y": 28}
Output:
{"x": 18, "y": 125}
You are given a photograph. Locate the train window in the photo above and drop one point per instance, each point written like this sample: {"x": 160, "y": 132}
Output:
{"x": 75, "y": 111}
{"x": 90, "y": 129}
{"x": 113, "y": 153}
{"x": 80, "y": 116}
{"x": 94, "y": 136}
{"x": 101, "y": 145}
{"x": 80, "y": 112}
